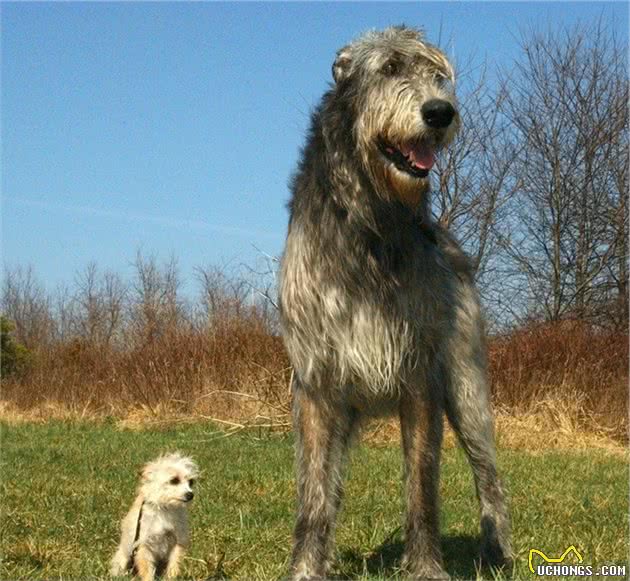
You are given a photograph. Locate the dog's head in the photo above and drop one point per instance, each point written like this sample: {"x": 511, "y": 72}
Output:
{"x": 399, "y": 91}
{"x": 169, "y": 480}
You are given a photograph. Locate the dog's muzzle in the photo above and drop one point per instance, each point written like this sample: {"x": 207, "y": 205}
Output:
{"x": 414, "y": 158}
{"x": 437, "y": 113}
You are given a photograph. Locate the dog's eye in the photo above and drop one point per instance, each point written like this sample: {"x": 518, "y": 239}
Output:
{"x": 444, "y": 81}
{"x": 392, "y": 67}
{"x": 191, "y": 482}
{"x": 174, "y": 481}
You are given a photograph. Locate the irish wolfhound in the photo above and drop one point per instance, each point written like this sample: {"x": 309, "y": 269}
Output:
{"x": 379, "y": 310}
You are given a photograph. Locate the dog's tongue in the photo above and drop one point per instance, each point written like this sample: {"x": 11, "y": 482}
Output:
{"x": 421, "y": 155}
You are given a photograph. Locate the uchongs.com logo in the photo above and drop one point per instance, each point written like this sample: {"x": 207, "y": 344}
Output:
{"x": 555, "y": 566}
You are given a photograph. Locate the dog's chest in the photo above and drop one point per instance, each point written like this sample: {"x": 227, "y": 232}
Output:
{"x": 159, "y": 529}
{"x": 410, "y": 283}
{"x": 386, "y": 335}
{"x": 372, "y": 320}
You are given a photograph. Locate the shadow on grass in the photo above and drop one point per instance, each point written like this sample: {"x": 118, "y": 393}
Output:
{"x": 461, "y": 559}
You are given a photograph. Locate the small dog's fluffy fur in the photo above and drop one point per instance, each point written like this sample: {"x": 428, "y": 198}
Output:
{"x": 163, "y": 535}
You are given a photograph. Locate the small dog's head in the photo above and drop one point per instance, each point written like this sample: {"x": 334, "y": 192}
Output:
{"x": 169, "y": 480}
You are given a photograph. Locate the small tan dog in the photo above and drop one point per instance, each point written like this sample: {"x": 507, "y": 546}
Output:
{"x": 155, "y": 531}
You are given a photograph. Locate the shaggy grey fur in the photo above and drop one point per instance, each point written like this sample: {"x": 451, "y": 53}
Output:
{"x": 379, "y": 310}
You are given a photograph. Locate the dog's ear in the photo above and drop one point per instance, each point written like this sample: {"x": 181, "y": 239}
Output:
{"x": 145, "y": 472}
{"x": 342, "y": 65}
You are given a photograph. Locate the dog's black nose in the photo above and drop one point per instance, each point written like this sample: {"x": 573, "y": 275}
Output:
{"x": 189, "y": 496}
{"x": 438, "y": 113}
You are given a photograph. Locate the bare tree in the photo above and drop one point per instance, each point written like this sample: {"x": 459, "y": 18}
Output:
{"x": 63, "y": 313}
{"x": 98, "y": 305}
{"x": 26, "y": 304}
{"x": 614, "y": 295}
{"x": 476, "y": 182}
{"x": 156, "y": 306}
{"x": 223, "y": 295}
{"x": 566, "y": 103}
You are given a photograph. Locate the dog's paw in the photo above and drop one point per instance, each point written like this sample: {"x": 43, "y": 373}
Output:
{"x": 429, "y": 574}
{"x": 117, "y": 569}
{"x": 497, "y": 555}
{"x": 496, "y": 549}
{"x": 303, "y": 573}
{"x": 427, "y": 570}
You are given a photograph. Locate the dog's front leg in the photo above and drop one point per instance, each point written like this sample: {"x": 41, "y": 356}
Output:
{"x": 172, "y": 570}
{"x": 321, "y": 429}
{"x": 119, "y": 562}
{"x": 421, "y": 428}
{"x": 469, "y": 411}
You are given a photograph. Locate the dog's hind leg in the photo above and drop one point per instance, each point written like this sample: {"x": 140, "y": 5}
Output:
{"x": 323, "y": 428}
{"x": 145, "y": 564}
{"x": 172, "y": 570}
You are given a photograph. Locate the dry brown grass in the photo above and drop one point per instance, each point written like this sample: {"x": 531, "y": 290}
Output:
{"x": 225, "y": 372}
{"x": 568, "y": 374}
{"x": 517, "y": 432}
{"x": 560, "y": 386}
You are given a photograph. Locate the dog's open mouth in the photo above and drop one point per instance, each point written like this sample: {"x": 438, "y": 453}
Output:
{"x": 413, "y": 158}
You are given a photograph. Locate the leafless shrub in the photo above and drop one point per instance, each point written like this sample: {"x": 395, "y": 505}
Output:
{"x": 568, "y": 361}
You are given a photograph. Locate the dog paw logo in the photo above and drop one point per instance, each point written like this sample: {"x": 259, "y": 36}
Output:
{"x": 560, "y": 559}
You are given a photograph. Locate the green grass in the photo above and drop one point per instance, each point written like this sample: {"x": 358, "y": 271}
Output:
{"x": 65, "y": 487}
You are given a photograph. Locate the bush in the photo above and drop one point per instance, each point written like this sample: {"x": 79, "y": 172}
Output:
{"x": 14, "y": 357}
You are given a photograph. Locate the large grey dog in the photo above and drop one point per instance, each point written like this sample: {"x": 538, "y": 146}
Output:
{"x": 379, "y": 310}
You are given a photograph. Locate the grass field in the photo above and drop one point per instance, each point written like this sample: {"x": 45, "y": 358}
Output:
{"x": 66, "y": 485}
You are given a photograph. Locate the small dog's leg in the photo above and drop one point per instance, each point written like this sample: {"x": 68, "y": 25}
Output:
{"x": 172, "y": 570}
{"x": 421, "y": 428}
{"x": 119, "y": 562}
{"x": 145, "y": 564}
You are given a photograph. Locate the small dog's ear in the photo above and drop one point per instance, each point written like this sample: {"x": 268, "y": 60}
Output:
{"x": 145, "y": 472}
{"x": 341, "y": 66}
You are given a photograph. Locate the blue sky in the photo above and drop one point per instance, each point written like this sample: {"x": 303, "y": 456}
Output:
{"x": 174, "y": 128}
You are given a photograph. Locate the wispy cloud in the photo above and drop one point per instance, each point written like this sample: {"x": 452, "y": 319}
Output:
{"x": 186, "y": 224}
